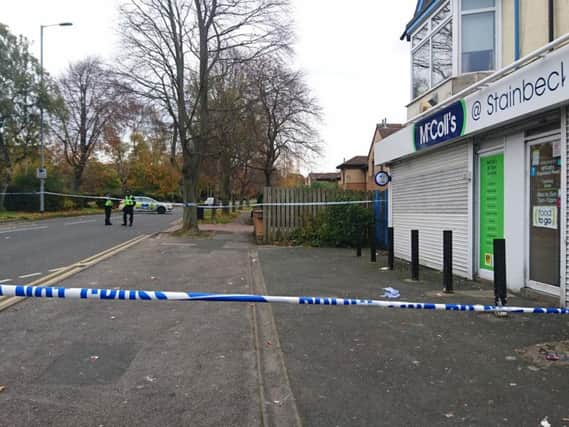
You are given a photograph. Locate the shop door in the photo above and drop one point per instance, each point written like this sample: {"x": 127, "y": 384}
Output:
{"x": 544, "y": 208}
{"x": 491, "y": 213}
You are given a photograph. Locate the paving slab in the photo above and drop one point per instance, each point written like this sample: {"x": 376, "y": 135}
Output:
{"x": 362, "y": 366}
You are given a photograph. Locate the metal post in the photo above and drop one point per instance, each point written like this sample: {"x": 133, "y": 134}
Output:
{"x": 359, "y": 243}
{"x": 390, "y": 255}
{"x": 500, "y": 291}
{"x": 415, "y": 254}
{"x": 42, "y": 156}
{"x": 447, "y": 261}
{"x": 372, "y": 248}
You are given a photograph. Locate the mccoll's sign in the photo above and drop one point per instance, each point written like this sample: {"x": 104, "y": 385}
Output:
{"x": 442, "y": 126}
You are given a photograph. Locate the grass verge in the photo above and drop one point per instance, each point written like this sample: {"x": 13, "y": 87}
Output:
{"x": 7, "y": 216}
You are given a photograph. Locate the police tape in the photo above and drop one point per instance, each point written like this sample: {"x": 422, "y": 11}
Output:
{"x": 140, "y": 295}
{"x": 206, "y": 206}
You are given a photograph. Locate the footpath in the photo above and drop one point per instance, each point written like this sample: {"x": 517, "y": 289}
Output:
{"x": 97, "y": 363}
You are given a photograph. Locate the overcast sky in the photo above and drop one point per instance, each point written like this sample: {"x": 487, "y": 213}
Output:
{"x": 355, "y": 63}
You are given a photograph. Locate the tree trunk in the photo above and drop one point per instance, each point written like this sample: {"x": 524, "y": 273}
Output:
{"x": 3, "y": 189}
{"x": 267, "y": 177}
{"x": 190, "y": 176}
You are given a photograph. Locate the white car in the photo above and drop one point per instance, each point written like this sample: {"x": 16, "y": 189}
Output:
{"x": 147, "y": 204}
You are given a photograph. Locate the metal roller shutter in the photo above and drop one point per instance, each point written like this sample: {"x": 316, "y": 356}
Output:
{"x": 430, "y": 193}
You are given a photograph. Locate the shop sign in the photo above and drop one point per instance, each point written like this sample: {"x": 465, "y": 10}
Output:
{"x": 545, "y": 217}
{"x": 442, "y": 126}
{"x": 382, "y": 178}
{"x": 534, "y": 87}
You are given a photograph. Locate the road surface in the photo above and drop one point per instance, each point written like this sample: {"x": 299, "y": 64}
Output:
{"x": 31, "y": 250}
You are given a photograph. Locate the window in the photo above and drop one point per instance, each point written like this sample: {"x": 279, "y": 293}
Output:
{"x": 431, "y": 51}
{"x": 478, "y": 35}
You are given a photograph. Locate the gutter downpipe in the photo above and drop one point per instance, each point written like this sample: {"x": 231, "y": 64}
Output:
{"x": 551, "y": 19}
{"x": 485, "y": 81}
{"x": 517, "y": 30}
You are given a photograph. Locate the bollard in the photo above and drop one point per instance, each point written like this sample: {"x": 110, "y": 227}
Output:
{"x": 200, "y": 213}
{"x": 447, "y": 261}
{"x": 390, "y": 246}
{"x": 500, "y": 291}
{"x": 372, "y": 249}
{"x": 415, "y": 254}
{"x": 233, "y": 206}
{"x": 359, "y": 243}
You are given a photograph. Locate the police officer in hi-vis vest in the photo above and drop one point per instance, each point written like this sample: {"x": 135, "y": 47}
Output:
{"x": 108, "y": 209}
{"x": 128, "y": 208}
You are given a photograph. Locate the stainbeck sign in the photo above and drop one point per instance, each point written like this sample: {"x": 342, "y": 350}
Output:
{"x": 440, "y": 127}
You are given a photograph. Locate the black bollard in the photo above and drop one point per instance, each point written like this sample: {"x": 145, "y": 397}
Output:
{"x": 372, "y": 249}
{"x": 447, "y": 261}
{"x": 415, "y": 254}
{"x": 359, "y": 243}
{"x": 500, "y": 291}
{"x": 390, "y": 244}
{"x": 200, "y": 213}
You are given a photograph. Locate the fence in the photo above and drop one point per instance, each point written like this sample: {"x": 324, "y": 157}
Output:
{"x": 280, "y": 221}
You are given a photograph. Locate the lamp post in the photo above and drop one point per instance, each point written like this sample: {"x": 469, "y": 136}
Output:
{"x": 42, "y": 173}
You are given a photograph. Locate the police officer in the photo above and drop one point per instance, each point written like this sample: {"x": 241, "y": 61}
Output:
{"x": 128, "y": 208}
{"x": 108, "y": 209}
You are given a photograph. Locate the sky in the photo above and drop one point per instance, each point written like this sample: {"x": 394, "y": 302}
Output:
{"x": 351, "y": 54}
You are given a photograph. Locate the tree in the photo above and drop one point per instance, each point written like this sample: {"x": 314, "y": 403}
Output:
{"x": 89, "y": 102}
{"x": 284, "y": 115}
{"x": 19, "y": 104}
{"x": 173, "y": 46}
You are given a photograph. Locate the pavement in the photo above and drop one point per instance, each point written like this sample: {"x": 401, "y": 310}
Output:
{"x": 32, "y": 250}
{"x": 115, "y": 363}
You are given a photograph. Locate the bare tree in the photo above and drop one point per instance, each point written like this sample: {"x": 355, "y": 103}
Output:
{"x": 284, "y": 115}
{"x": 172, "y": 47}
{"x": 89, "y": 102}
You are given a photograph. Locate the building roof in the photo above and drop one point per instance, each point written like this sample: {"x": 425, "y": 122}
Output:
{"x": 423, "y": 8}
{"x": 357, "y": 162}
{"x": 326, "y": 176}
{"x": 388, "y": 129}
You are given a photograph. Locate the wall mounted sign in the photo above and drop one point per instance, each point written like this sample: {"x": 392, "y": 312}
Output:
{"x": 444, "y": 125}
{"x": 545, "y": 217}
{"x": 491, "y": 207}
{"x": 382, "y": 178}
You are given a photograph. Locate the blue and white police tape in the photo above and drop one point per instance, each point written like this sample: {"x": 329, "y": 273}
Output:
{"x": 140, "y": 295}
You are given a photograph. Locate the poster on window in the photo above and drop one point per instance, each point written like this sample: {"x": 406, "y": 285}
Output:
{"x": 545, "y": 217}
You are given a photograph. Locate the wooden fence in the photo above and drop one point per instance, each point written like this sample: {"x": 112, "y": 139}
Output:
{"x": 280, "y": 221}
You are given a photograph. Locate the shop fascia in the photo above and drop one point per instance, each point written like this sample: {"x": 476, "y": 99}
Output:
{"x": 538, "y": 86}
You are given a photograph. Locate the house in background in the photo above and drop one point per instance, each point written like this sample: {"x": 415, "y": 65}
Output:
{"x": 329, "y": 177}
{"x": 353, "y": 173}
{"x": 382, "y": 131}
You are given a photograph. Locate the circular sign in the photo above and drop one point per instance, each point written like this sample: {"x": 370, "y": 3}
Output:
{"x": 382, "y": 178}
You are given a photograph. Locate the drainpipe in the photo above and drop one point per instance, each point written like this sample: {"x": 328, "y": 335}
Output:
{"x": 551, "y": 20}
{"x": 516, "y": 30}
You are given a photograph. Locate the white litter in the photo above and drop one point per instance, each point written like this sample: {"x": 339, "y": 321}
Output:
{"x": 391, "y": 293}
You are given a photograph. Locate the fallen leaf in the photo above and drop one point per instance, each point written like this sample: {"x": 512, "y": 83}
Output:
{"x": 2, "y": 388}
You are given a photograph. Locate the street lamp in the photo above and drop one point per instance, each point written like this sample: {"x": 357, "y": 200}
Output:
{"x": 42, "y": 173}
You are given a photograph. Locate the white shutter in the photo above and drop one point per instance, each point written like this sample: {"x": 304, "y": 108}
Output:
{"x": 430, "y": 193}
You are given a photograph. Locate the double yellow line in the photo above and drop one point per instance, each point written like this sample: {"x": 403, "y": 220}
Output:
{"x": 70, "y": 270}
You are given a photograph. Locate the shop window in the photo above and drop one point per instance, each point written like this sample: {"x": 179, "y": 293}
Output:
{"x": 478, "y": 35}
{"x": 432, "y": 51}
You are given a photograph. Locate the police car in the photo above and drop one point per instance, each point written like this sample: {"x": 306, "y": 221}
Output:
{"x": 147, "y": 204}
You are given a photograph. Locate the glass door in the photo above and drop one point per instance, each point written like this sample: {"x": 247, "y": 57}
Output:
{"x": 544, "y": 218}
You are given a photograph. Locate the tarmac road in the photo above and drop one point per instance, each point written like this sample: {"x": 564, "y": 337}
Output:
{"x": 31, "y": 250}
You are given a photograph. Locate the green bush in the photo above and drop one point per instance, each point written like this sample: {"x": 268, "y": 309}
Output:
{"x": 337, "y": 226}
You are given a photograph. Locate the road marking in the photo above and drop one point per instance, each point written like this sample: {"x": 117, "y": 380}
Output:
{"x": 5, "y": 280}
{"x": 178, "y": 244}
{"x": 56, "y": 269}
{"x": 79, "y": 222}
{"x": 23, "y": 229}
{"x": 25, "y": 276}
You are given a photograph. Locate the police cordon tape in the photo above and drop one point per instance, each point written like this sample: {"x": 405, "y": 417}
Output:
{"x": 140, "y": 295}
{"x": 84, "y": 196}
